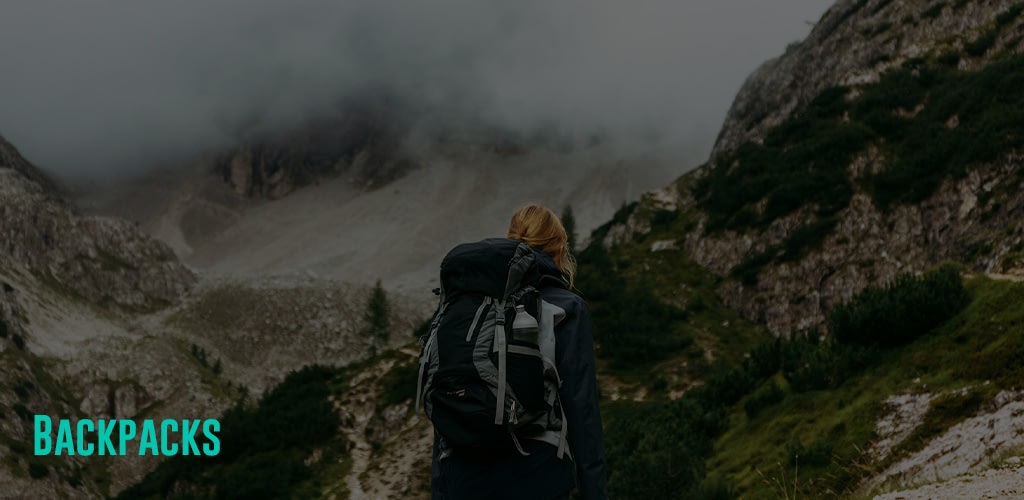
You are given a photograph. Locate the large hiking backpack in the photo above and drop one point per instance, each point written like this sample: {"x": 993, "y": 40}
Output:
{"x": 487, "y": 372}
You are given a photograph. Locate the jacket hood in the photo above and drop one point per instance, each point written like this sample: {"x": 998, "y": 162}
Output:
{"x": 488, "y": 266}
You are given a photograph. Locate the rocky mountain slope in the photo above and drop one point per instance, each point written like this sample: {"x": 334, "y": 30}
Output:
{"x": 398, "y": 232}
{"x": 884, "y": 143}
{"x": 100, "y": 320}
{"x": 367, "y": 140}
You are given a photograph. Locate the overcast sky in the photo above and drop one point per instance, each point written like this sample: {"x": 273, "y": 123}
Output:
{"x": 112, "y": 86}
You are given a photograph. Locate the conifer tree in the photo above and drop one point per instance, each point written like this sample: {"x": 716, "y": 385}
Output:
{"x": 569, "y": 221}
{"x": 377, "y": 315}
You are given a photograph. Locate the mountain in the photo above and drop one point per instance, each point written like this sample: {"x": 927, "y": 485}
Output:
{"x": 464, "y": 187}
{"x": 884, "y": 143}
{"x": 100, "y": 320}
{"x": 828, "y": 307}
{"x": 847, "y": 172}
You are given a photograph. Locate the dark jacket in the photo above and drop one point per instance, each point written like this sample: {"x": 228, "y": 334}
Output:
{"x": 542, "y": 475}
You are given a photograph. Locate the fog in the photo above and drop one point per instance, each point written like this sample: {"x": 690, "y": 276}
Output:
{"x": 107, "y": 88}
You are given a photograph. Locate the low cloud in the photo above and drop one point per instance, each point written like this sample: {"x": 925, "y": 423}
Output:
{"x": 107, "y": 88}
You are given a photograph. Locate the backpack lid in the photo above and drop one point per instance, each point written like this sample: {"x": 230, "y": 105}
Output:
{"x": 483, "y": 267}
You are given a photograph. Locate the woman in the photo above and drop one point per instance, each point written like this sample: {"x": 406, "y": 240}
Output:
{"x": 541, "y": 474}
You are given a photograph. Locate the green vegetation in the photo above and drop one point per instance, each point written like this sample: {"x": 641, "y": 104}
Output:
{"x": 631, "y": 324}
{"x": 656, "y": 450}
{"x": 901, "y": 311}
{"x": 928, "y": 121}
{"x": 398, "y": 385}
{"x": 37, "y": 470}
{"x": 377, "y": 316}
{"x": 943, "y": 412}
{"x": 764, "y": 397}
{"x": 817, "y": 432}
{"x": 263, "y": 447}
{"x": 798, "y": 413}
{"x": 569, "y": 223}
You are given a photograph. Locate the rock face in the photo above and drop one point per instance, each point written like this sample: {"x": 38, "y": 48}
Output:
{"x": 998, "y": 428}
{"x": 365, "y": 141}
{"x": 974, "y": 219}
{"x": 27, "y": 389}
{"x": 853, "y": 43}
{"x": 10, "y": 158}
{"x": 107, "y": 261}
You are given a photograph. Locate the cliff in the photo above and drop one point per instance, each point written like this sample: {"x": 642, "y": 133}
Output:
{"x": 884, "y": 143}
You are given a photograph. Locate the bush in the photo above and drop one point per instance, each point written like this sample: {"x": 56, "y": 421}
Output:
{"x": 902, "y": 311}
{"x": 398, "y": 385}
{"x": 657, "y": 450}
{"x": 37, "y": 470}
{"x": 22, "y": 411}
{"x": 377, "y": 317}
{"x": 765, "y": 397}
{"x": 664, "y": 218}
{"x": 803, "y": 161}
{"x": 254, "y": 462}
{"x": 727, "y": 387}
{"x": 817, "y": 453}
{"x": 630, "y": 323}
{"x": 716, "y": 488}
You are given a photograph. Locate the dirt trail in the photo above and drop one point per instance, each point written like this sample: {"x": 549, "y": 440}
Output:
{"x": 357, "y": 409}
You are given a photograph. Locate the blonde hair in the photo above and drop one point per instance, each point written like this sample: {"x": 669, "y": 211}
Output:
{"x": 540, "y": 228}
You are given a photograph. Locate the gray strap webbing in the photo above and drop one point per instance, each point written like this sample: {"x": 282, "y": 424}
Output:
{"x": 554, "y": 394}
{"x": 419, "y": 380}
{"x": 425, "y": 355}
{"x": 476, "y": 319}
{"x": 550, "y": 437}
{"x": 554, "y": 397}
{"x": 500, "y": 348}
{"x": 562, "y": 435}
{"x": 529, "y": 351}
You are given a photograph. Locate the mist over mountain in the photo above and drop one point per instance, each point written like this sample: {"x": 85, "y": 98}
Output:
{"x": 94, "y": 90}
{"x": 829, "y": 306}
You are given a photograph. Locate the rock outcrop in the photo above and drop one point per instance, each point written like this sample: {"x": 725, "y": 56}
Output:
{"x": 854, "y": 42}
{"x": 106, "y": 261}
{"x": 974, "y": 218}
{"x": 366, "y": 141}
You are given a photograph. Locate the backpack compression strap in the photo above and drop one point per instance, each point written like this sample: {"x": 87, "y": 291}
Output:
{"x": 424, "y": 355}
{"x": 500, "y": 348}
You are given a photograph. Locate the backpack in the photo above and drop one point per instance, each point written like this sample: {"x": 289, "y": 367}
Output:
{"x": 487, "y": 374}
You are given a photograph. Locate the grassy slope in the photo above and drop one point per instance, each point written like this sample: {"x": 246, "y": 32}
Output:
{"x": 706, "y": 333}
{"x": 983, "y": 344}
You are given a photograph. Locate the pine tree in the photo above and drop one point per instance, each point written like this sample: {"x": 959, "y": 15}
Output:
{"x": 569, "y": 222}
{"x": 377, "y": 315}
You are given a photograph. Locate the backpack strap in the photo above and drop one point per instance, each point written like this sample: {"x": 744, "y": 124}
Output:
{"x": 476, "y": 319}
{"x": 500, "y": 347}
{"x": 425, "y": 353}
{"x": 550, "y": 315}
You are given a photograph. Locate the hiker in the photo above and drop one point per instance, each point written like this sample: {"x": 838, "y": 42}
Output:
{"x": 533, "y": 430}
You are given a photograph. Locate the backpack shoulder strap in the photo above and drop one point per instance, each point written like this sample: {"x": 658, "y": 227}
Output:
{"x": 428, "y": 342}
